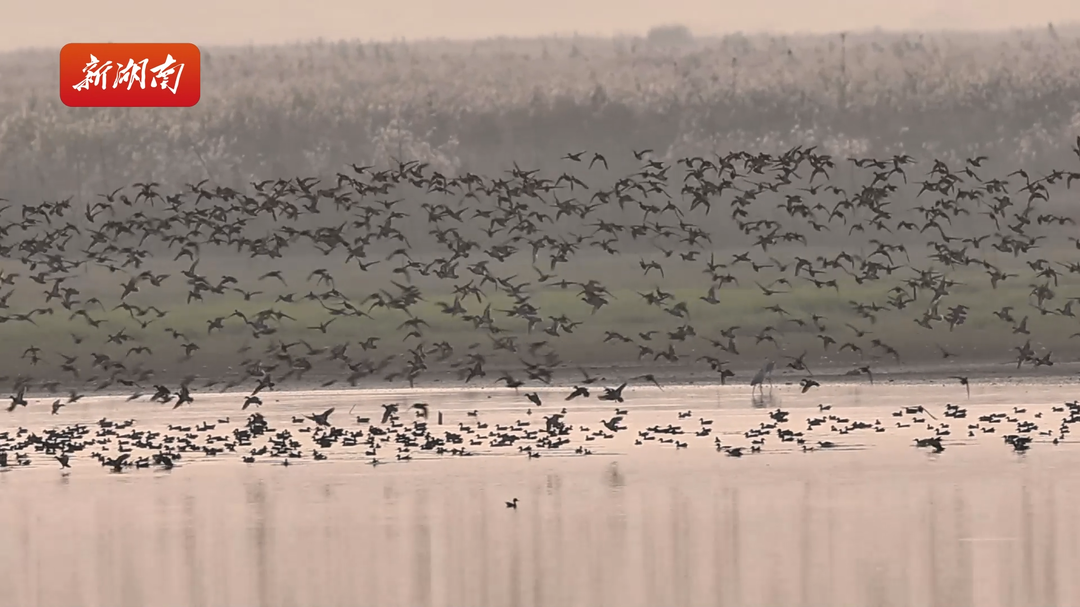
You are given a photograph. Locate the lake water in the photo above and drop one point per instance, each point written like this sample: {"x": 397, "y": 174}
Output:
{"x": 873, "y": 521}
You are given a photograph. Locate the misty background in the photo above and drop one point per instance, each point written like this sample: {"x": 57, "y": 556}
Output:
{"x": 53, "y": 23}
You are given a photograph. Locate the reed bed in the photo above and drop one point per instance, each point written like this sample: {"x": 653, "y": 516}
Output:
{"x": 312, "y": 109}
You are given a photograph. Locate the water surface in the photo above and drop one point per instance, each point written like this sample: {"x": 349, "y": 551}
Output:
{"x": 873, "y": 521}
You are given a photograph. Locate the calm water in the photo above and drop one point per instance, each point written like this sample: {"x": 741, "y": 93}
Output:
{"x": 872, "y": 522}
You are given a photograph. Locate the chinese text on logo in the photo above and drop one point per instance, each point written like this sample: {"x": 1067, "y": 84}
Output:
{"x": 130, "y": 75}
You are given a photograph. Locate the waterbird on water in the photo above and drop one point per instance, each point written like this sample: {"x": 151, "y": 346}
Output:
{"x": 613, "y": 423}
{"x": 746, "y": 176}
{"x": 764, "y": 373}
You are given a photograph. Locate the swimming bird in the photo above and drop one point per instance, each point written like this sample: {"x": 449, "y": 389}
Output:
{"x": 613, "y": 423}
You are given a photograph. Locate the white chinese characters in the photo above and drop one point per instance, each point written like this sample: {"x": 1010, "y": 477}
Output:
{"x": 131, "y": 73}
{"x": 95, "y": 73}
{"x": 163, "y": 71}
{"x": 162, "y": 76}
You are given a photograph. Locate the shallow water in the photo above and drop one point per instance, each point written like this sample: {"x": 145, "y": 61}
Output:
{"x": 873, "y": 521}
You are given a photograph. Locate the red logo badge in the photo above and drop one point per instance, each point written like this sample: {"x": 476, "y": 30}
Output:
{"x": 129, "y": 75}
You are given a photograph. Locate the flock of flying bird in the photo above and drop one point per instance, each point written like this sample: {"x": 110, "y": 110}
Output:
{"x": 479, "y": 236}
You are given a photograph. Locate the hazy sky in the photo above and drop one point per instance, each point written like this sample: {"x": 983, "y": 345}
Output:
{"x": 52, "y": 23}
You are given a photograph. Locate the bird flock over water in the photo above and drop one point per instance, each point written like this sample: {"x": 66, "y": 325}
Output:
{"x": 129, "y": 291}
{"x": 397, "y": 435}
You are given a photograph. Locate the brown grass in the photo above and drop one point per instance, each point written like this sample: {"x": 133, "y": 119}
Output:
{"x": 313, "y": 108}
